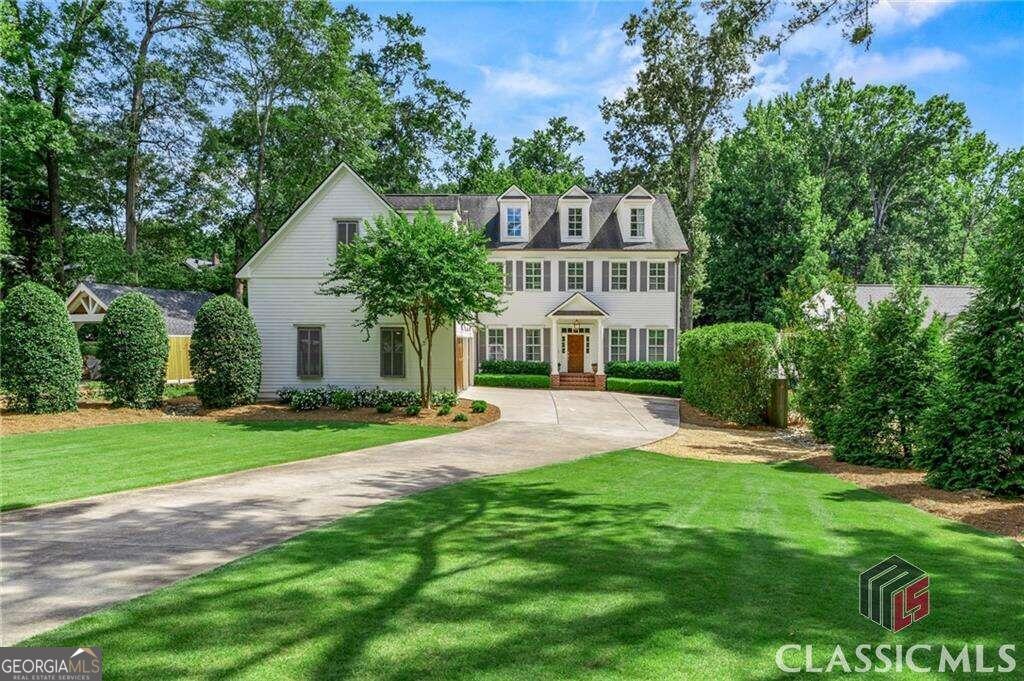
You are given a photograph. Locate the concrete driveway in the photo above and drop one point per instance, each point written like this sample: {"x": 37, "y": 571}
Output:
{"x": 61, "y": 561}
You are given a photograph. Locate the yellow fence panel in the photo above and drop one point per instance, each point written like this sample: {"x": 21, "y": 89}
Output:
{"x": 177, "y": 359}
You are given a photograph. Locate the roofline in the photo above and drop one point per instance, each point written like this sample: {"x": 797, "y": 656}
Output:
{"x": 254, "y": 258}
{"x": 82, "y": 287}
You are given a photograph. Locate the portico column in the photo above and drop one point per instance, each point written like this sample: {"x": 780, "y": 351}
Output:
{"x": 600, "y": 346}
{"x": 556, "y": 346}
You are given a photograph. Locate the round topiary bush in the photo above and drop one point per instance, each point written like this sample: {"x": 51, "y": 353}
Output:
{"x": 133, "y": 352}
{"x": 40, "y": 363}
{"x": 226, "y": 356}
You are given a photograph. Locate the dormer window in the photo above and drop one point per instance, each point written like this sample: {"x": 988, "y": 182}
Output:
{"x": 575, "y": 224}
{"x": 636, "y": 223}
{"x": 514, "y": 221}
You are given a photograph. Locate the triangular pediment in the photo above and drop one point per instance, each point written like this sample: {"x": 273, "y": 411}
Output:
{"x": 577, "y": 305}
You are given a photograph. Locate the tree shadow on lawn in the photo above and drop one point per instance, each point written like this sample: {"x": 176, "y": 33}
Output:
{"x": 508, "y": 577}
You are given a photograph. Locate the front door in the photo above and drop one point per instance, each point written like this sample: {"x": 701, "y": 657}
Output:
{"x": 574, "y": 352}
{"x": 460, "y": 371}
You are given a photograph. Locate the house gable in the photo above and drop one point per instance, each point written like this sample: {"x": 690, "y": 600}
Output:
{"x": 306, "y": 244}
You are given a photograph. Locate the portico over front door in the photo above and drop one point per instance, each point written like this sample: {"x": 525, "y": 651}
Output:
{"x": 574, "y": 353}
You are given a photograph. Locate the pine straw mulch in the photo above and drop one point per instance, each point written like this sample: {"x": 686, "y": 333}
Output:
{"x": 703, "y": 437}
{"x": 93, "y": 414}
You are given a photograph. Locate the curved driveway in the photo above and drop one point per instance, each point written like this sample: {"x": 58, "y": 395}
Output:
{"x": 61, "y": 561}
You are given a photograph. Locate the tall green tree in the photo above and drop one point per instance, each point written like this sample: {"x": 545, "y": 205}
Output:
{"x": 662, "y": 128}
{"x": 551, "y": 150}
{"x": 428, "y": 272}
{"x": 44, "y": 70}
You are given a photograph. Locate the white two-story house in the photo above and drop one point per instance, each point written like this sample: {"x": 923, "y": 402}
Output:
{"x": 590, "y": 278}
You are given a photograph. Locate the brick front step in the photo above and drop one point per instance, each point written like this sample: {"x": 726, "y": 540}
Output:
{"x": 568, "y": 381}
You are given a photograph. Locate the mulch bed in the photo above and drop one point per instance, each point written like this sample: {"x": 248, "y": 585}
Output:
{"x": 98, "y": 414}
{"x": 703, "y": 437}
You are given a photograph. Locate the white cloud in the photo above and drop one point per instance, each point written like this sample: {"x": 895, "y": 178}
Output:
{"x": 890, "y": 15}
{"x": 880, "y": 68}
{"x": 519, "y": 82}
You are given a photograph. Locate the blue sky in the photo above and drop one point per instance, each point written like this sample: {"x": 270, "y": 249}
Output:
{"x": 522, "y": 63}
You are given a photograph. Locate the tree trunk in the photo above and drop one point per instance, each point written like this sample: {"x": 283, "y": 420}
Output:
{"x": 131, "y": 184}
{"x": 425, "y": 397}
{"x": 686, "y": 311}
{"x": 56, "y": 217}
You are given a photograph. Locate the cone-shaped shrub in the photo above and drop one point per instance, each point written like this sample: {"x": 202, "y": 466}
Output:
{"x": 133, "y": 352}
{"x": 225, "y": 354}
{"x": 40, "y": 362}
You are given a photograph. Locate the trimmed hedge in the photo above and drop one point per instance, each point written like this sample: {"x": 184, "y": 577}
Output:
{"x": 644, "y": 386}
{"x": 726, "y": 369}
{"x": 512, "y": 381}
{"x": 514, "y": 367}
{"x": 658, "y": 371}
{"x": 133, "y": 352}
{"x": 40, "y": 362}
{"x": 225, "y": 354}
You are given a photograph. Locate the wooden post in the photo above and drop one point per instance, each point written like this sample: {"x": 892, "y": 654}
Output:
{"x": 778, "y": 406}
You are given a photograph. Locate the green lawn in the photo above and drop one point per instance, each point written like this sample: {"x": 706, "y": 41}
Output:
{"x": 69, "y": 464}
{"x": 627, "y": 565}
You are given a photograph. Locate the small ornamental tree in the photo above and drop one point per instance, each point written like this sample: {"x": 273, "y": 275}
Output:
{"x": 225, "y": 354}
{"x": 973, "y": 433}
{"x": 890, "y": 382}
{"x": 429, "y": 272}
{"x": 40, "y": 362}
{"x": 133, "y": 352}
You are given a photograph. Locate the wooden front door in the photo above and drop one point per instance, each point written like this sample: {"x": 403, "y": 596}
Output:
{"x": 574, "y": 353}
{"x": 460, "y": 372}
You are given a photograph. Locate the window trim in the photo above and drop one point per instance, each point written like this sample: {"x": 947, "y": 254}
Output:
{"x": 540, "y": 275}
{"x": 401, "y": 335}
{"x": 583, "y": 275}
{"x": 643, "y": 221}
{"x": 665, "y": 275}
{"x": 337, "y": 230}
{"x": 508, "y": 222}
{"x": 611, "y": 275}
{"x": 664, "y": 343}
{"x": 298, "y": 330}
{"x": 540, "y": 343}
{"x": 569, "y": 225}
{"x": 625, "y": 333}
{"x": 504, "y": 348}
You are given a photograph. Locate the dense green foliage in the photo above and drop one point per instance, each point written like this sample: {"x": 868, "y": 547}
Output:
{"x": 478, "y": 406}
{"x": 497, "y": 578}
{"x": 726, "y": 369}
{"x": 133, "y": 352}
{"x": 225, "y": 354}
{"x": 644, "y": 386}
{"x": 512, "y": 381}
{"x": 973, "y": 434}
{"x": 659, "y": 371}
{"x": 822, "y": 351}
{"x": 889, "y": 383}
{"x": 124, "y": 457}
{"x": 514, "y": 366}
{"x": 427, "y": 271}
{"x": 40, "y": 363}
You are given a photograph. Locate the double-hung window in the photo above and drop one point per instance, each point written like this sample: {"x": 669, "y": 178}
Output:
{"x": 636, "y": 222}
{"x": 619, "y": 276}
{"x": 533, "y": 277}
{"x": 348, "y": 230}
{"x": 309, "y": 352}
{"x": 618, "y": 345}
{"x": 656, "y": 276}
{"x": 575, "y": 222}
{"x": 495, "y": 343}
{"x": 575, "y": 275}
{"x": 531, "y": 345}
{"x": 514, "y": 221}
{"x": 656, "y": 345}
{"x": 392, "y": 352}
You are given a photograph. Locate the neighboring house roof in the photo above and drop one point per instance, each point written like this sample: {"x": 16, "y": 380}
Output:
{"x": 945, "y": 301}
{"x": 179, "y": 307}
{"x": 482, "y": 211}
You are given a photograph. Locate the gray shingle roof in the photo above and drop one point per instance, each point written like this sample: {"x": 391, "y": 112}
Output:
{"x": 947, "y": 301}
{"x": 482, "y": 210}
{"x": 179, "y": 307}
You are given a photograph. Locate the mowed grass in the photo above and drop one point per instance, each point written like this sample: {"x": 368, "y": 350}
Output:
{"x": 69, "y": 464}
{"x": 626, "y": 565}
